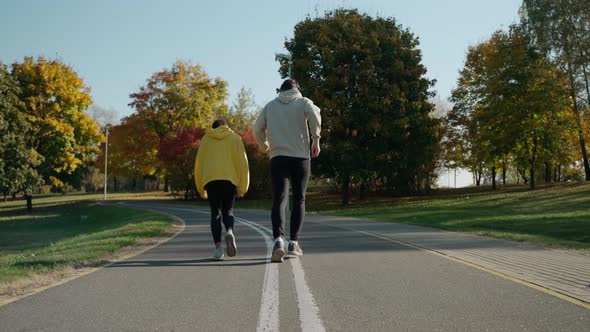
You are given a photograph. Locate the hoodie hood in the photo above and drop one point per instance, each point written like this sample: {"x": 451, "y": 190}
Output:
{"x": 219, "y": 133}
{"x": 285, "y": 97}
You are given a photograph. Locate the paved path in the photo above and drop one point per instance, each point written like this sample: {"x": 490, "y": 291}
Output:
{"x": 562, "y": 271}
{"x": 354, "y": 276}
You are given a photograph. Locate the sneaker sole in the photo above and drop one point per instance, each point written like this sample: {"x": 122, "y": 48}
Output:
{"x": 277, "y": 256}
{"x": 230, "y": 241}
{"x": 217, "y": 259}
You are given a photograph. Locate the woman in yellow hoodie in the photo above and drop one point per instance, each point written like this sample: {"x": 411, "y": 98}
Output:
{"x": 221, "y": 173}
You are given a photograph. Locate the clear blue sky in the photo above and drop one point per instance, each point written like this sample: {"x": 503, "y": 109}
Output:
{"x": 116, "y": 45}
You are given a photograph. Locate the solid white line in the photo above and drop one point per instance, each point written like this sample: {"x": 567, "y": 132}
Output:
{"x": 268, "y": 319}
{"x": 309, "y": 316}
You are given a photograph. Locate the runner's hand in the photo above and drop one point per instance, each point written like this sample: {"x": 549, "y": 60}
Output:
{"x": 315, "y": 150}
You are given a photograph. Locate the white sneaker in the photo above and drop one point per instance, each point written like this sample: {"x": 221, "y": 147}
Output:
{"x": 278, "y": 251}
{"x": 230, "y": 241}
{"x": 294, "y": 249}
{"x": 218, "y": 254}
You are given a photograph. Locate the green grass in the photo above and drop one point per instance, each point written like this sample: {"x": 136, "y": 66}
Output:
{"x": 558, "y": 216}
{"x": 56, "y": 236}
{"x": 56, "y": 199}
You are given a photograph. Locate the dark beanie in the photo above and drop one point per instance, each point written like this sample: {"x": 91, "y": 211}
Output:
{"x": 217, "y": 123}
{"x": 288, "y": 85}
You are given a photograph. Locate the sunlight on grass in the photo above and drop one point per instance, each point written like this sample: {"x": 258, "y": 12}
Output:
{"x": 557, "y": 216}
{"x": 59, "y": 238}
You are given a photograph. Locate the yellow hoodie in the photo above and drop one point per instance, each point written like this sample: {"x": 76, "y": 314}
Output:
{"x": 221, "y": 156}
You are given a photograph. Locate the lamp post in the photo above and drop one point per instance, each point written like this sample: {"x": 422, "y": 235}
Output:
{"x": 286, "y": 57}
{"x": 106, "y": 157}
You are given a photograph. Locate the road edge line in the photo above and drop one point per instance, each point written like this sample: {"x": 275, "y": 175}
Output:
{"x": 475, "y": 266}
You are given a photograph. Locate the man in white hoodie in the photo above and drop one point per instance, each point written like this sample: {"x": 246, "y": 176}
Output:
{"x": 283, "y": 130}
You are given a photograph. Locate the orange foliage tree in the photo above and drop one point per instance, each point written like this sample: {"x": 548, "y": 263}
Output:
{"x": 133, "y": 149}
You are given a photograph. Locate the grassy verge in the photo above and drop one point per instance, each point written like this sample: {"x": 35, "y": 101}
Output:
{"x": 558, "y": 216}
{"x": 76, "y": 234}
{"x": 56, "y": 199}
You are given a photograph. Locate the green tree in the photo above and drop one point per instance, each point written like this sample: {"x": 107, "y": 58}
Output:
{"x": 242, "y": 113}
{"x": 510, "y": 104}
{"x": 561, "y": 30}
{"x": 366, "y": 75}
{"x": 54, "y": 99}
{"x": 18, "y": 160}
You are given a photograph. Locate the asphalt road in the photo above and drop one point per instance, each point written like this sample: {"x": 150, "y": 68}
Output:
{"x": 346, "y": 281}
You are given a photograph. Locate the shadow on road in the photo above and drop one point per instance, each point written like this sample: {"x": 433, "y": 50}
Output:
{"x": 191, "y": 262}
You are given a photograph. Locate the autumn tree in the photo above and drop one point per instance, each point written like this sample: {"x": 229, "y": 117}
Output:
{"x": 366, "y": 75}
{"x": 561, "y": 30}
{"x": 133, "y": 150}
{"x": 178, "y": 152}
{"x": 54, "y": 99}
{"x": 17, "y": 159}
{"x": 183, "y": 96}
{"x": 510, "y": 104}
{"x": 260, "y": 182}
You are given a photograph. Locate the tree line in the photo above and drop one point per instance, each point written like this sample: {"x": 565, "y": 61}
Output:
{"x": 520, "y": 107}
{"x": 522, "y": 98}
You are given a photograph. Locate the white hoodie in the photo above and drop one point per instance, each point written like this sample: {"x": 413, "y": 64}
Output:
{"x": 281, "y": 129}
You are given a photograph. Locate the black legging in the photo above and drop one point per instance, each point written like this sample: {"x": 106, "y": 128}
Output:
{"x": 282, "y": 170}
{"x": 222, "y": 195}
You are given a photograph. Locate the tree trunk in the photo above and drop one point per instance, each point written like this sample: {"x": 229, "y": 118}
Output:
{"x": 522, "y": 174}
{"x": 504, "y": 174}
{"x": 5, "y": 197}
{"x": 559, "y": 174}
{"x": 134, "y": 183}
{"x": 584, "y": 155}
{"x": 477, "y": 178}
{"x": 116, "y": 184}
{"x": 166, "y": 183}
{"x": 13, "y": 196}
{"x": 547, "y": 172}
{"x": 587, "y": 84}
{"x": 579, "y": 120}
{"x": 533, "y": 161}
{"x": 346, "y": 191}
{"x": 29, "y": 199}
{"x": 362, "y": 190}
{"x": 494, "y": 177}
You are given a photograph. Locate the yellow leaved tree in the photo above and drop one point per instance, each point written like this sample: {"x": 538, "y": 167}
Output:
{"x": 54, "y": 99}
